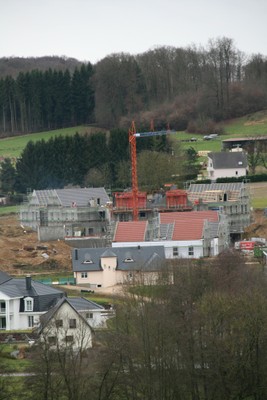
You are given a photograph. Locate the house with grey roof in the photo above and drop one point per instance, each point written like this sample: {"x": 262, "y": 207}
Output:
{"x": 104, "y": 267}
{"x": 227, "y": 164}
{"x": 63, "y": 327}
{"x": 72, "y": 213}
{"x": 23, "y": 301}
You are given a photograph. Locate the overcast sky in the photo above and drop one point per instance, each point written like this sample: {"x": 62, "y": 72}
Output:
{"x": 89, "y": 30}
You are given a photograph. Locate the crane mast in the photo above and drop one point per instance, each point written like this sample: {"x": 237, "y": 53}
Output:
{"x": 132, "y": 141}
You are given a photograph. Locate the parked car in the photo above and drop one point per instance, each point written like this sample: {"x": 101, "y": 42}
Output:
{"x": 211, "y": 136}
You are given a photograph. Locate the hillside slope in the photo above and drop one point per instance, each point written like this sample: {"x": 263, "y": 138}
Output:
{"x": 12, "y": 66}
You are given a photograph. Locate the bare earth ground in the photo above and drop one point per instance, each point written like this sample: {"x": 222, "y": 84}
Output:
{"x": 20, "y": 248}
{"x": 21, "y": 252}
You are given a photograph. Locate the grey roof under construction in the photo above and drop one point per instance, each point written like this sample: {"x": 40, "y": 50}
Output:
{"x": 226, "y": 159}
{"x": 202, "y": 187}
{"x": 67, "y": 197}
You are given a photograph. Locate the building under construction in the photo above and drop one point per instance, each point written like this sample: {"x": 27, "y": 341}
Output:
{"x": 148, "y": 205}
{"x": 67, "y": 213}
{"x": 231, "y": 199}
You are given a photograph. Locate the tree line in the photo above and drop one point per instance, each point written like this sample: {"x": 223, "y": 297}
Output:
{"x": 181, "y": 87}
{"x": 37, "y": 100}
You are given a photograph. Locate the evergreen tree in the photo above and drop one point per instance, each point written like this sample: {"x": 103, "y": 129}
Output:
{"x": 7, "y": 176}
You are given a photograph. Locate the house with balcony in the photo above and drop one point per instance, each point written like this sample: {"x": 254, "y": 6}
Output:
{"x": 24, "y": 304}
{"x": 23, "y": 301}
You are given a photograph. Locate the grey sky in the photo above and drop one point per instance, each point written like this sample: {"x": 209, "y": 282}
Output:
{"x": 91, "y": 29}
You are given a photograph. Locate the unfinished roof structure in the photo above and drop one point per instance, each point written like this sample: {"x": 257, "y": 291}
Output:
{"x": 231, "y": 199}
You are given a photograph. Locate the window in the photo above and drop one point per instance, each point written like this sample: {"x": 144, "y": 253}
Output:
{"x": 3, "y": 323}
{"x": 87, "y": 261}
{"x": 3, "y": 306}
{"x": 59, "y": 323}
{"x": 175, "y": 252}
{"x": 69, "y": 339}
{"x": 52, "y": 340}
{"x": 72, "y": 323}
{"x": 89, "y": 315}
{"x": 128, "y": 260}
{"x": 28, "y": 304}
{"x": 190, "y": 250}
{"x": 83, "y": 274}
{"x": 30, "y": 321}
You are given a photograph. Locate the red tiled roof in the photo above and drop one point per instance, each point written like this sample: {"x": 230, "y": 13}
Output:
{"x": 188, "y": 230}
{"x": 169, "y": 217}
{"x": 132, "y": 231}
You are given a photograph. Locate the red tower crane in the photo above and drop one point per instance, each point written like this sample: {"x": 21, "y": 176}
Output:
{"x": 132, "y": 140}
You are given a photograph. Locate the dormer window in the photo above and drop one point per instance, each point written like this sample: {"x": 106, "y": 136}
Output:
{"x": 28, "y": 304}
{"x": 128, "y": 260}
{"x": 87, "y": 261}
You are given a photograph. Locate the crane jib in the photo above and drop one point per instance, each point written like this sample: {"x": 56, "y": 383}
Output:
{"x": 158, "y": 133}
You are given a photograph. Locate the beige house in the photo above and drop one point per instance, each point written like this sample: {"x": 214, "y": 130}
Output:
{"x": 63, "y": 327}
{"x": 105, "y": 267}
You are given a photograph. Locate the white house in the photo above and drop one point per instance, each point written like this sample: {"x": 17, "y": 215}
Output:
{"x": 23, "y": 301}
{"x": 226, "y": 165}
{"x": 64, "y": 326}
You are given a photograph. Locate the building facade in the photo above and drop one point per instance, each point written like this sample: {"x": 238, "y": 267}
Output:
{"x": 56, "y": 214}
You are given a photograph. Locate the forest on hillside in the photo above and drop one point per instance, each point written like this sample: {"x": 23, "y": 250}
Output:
{"x": 184, "y": 88}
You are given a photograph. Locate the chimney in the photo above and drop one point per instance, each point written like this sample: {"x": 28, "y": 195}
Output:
{"x": 28, "y": 282}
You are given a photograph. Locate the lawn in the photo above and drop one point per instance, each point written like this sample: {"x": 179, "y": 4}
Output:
{"x": 258, "y": 194}
{"x": 5, "y": 210}
{"x": 251, "y": 125}
{"x": 9, "y": 363}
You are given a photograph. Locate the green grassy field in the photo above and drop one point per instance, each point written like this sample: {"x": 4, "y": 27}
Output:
{"x": 251, "y": 125}
{"x": 12, "y": 147}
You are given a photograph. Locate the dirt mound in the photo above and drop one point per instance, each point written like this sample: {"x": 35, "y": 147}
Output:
{"x": 20, "y": 250}
{"x": 258, "y": 227}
